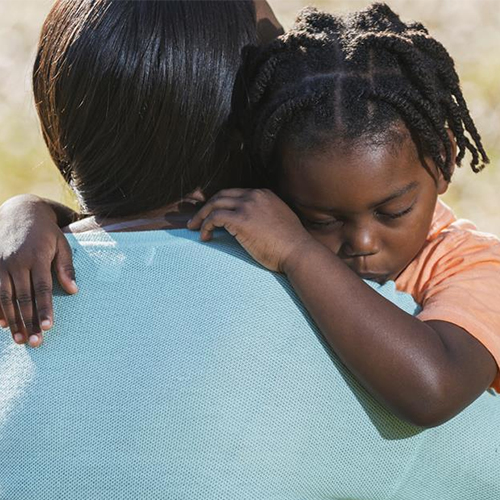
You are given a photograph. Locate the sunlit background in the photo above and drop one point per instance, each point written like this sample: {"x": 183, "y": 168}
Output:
{"x": 469, "y": 29}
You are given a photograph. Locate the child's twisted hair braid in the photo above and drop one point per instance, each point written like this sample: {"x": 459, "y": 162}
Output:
{"x": 353, "y": 77}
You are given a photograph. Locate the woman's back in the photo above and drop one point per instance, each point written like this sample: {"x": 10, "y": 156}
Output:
{"x": 184, "y": 371}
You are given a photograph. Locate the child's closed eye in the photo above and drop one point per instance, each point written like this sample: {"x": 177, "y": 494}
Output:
{"x": 319, "y": 224}
{"x": 332, "y": 222}
{"x": 395, "y": 215}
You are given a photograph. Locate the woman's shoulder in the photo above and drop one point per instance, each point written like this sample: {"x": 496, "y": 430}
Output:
{"x": 162, "y": 260}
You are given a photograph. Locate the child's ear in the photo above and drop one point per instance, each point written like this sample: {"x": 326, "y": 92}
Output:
{"x": 442, "y": 183}
{"x": 453, "y": 144}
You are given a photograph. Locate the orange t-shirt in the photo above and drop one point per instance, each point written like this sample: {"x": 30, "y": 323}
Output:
{"x": 456, "y": 278}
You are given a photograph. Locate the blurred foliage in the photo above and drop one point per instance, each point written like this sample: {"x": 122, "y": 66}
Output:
{"x": 469, "y": 29}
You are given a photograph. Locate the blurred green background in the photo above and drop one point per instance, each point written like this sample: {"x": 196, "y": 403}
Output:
{"x": 469, "y": 29}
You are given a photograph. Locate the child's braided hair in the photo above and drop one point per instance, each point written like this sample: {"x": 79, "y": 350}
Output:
{"x": 355, "y": 76}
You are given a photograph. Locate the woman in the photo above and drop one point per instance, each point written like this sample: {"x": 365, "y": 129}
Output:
{"x": 182, "y": 370}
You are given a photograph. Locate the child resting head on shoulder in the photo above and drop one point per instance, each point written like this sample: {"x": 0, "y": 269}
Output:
{"x": 357, "y": 123}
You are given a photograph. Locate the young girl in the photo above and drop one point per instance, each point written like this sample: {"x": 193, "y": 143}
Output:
{"x": 356, "y": 121}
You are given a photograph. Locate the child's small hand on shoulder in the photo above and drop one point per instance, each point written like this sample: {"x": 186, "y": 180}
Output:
{"x": 31, "y": 244}
{"x": 260, "y": 221}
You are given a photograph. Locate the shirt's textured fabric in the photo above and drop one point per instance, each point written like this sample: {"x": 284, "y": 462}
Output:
{"x": 184, "y": 371}
{"x": 456, "y": 278}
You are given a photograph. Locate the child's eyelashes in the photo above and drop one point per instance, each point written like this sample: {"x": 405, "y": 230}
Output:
{"x": 395, "y": 215}
{"x": 320, "y": 223}
{"x": 334, "y": 223}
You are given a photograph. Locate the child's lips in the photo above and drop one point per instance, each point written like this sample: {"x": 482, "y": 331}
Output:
{"x": 367, "y": 274}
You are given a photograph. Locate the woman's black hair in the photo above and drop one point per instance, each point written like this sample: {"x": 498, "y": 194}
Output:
{"x": 342, "y": 78}
{"x": 133, "y": 96}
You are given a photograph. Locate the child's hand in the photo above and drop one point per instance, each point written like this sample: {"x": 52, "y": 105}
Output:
{"x": 260, "y": 221}
{"x": 30, "y": 241}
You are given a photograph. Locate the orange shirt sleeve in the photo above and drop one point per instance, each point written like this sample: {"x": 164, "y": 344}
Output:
{"x": 456, "y": 278}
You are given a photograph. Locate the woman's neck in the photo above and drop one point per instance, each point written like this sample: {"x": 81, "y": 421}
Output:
{"x": 172, "y": 216}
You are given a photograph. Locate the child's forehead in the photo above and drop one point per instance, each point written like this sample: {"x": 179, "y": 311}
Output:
{"x": 373, "y": 157}
{"x": 359, "y": 174}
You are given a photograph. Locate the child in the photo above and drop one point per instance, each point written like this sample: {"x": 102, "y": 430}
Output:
{"x": 356, "y": 121}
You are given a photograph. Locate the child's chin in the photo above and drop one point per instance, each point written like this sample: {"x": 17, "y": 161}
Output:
{"x": 380, "y": 279}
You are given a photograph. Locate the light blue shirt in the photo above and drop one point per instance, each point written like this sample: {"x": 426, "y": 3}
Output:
{"x": 185, "y": 371}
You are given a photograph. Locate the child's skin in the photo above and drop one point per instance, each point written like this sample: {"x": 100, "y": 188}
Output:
{"x": 25, "y": 270}
{"x": 367, "y": 210}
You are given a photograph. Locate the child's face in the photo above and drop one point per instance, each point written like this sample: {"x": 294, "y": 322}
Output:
{"x": 371, "y": 205}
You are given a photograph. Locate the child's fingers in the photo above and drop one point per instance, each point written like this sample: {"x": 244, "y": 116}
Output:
{"x": 35, "y": 336}
{"x": 36, "y": 341}
{"x": 211, "y": 206}
{"x": 22, "y": 290}
{"x": 41, "y": 277}
{"x": 22, "y": 335}
{"x": 7, "y": 300}
{"x": 230, "y": 193}
{"x": 63, "y": 263}
{"x": 3, "y": 321}
{"x": 217, "y": 218}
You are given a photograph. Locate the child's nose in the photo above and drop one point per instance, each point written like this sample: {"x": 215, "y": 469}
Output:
{"x": 360, "y": 242}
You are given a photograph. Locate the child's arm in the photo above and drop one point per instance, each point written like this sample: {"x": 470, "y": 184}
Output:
{"x": 424, "y": 372}
{"x": 30, "y": 242}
